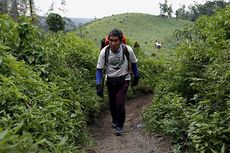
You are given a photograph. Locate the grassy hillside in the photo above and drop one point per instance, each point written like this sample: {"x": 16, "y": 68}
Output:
{"x": 143, "y": 28}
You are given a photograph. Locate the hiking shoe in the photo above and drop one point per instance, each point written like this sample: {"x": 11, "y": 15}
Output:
{"x": 119, "y": 131}
{"x": 114, "y": 125}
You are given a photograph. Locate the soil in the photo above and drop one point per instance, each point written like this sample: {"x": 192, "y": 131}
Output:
{"x": 135, "y": 139}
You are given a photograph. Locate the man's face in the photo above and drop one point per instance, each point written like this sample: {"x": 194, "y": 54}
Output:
{"x": 114, "y": 43}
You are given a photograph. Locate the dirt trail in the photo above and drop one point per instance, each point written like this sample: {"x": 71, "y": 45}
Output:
{"x": 134, "y": 139}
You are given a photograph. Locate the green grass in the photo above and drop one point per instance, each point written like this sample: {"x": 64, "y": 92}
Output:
{"x": 143, "y": 28}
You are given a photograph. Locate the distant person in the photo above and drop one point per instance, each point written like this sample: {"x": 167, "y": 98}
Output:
{"x": 118, "y": 59}
{"x": 158, "y": 44}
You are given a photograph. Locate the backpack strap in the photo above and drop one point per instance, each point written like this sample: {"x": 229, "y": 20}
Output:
{"x": 107, "y": 55}
{"x": 126, "y": 53}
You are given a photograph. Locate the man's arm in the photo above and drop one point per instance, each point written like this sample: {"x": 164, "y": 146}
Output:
{"x": 134, "y": 69}
{"x": 99, "y": 75}
{"x": 135, "y": 74}
{"x": 133, "y": 61}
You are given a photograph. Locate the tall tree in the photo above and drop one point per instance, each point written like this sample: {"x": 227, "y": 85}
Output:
{"x": 182, "y": 13}
{"x": 209, "y": 8}
{"x": 197, "y": 10}
{"x": 169, "y": 11}
{"x": 18, "y": 7}
{"x": 165, "y": 10}
{"x": 31, "y": 10}
{"x": 55, "y": 22}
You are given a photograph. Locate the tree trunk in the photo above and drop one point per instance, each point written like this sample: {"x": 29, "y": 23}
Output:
{"x": 31, "y": 10}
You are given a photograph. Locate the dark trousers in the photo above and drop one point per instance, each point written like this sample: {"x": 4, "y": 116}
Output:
{"x": 117, "y": 94}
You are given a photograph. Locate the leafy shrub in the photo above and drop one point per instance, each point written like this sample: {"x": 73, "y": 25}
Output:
{"x": 46, "y": 96}
{"x": 55, "y": 22}
{"x": 33, "y": 115}
{"x": 192, "y": 98}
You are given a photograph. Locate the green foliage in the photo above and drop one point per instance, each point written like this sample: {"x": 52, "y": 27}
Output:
{"x": 55, "y": 22}
{"x": 47, "y": 91}
{"x": 34, "y": 117}
{"x": 192, "y": 98}
{"x": 209, "y": 8}
{"x": 197, "y": 10}
{"x": 181, "y": 13}
{"x": 166, "y": 11}
{"x": 21, "y": 37}
{"x": 68, "y": 56}
{"x": 173, "y": 123}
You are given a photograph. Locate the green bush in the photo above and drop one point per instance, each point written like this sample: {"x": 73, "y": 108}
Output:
{"x": 55, "y": 22}
{"x": 33, "y": 115}
{"x": 192, "y": 98}
{"x": 47, "y": 89}
{"x": 71, "y": 64}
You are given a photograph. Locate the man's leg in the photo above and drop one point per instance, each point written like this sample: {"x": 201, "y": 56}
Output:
{"x": 120, "y": 104}
{"x": 112, "y": 90}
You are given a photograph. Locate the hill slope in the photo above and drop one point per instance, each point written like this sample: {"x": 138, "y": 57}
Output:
{"x": 143, "y": 28}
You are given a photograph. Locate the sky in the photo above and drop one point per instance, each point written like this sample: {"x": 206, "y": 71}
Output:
{"x": 103, "y": 8}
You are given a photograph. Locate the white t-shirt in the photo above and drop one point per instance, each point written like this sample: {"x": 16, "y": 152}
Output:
{"x": 116, "y": 66}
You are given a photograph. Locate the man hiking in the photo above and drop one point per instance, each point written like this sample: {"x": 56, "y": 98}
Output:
{"x": 158, "y": 44}
{"x": 118, "y": 60}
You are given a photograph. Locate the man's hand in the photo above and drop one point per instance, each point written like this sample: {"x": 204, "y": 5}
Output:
{"x": 135, "y": 81}
{"x": 99, "y": 90}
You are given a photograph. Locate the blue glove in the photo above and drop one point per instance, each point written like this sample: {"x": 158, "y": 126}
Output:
{"x": 135, "y": 73}
{"x": 99, "y": 78}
